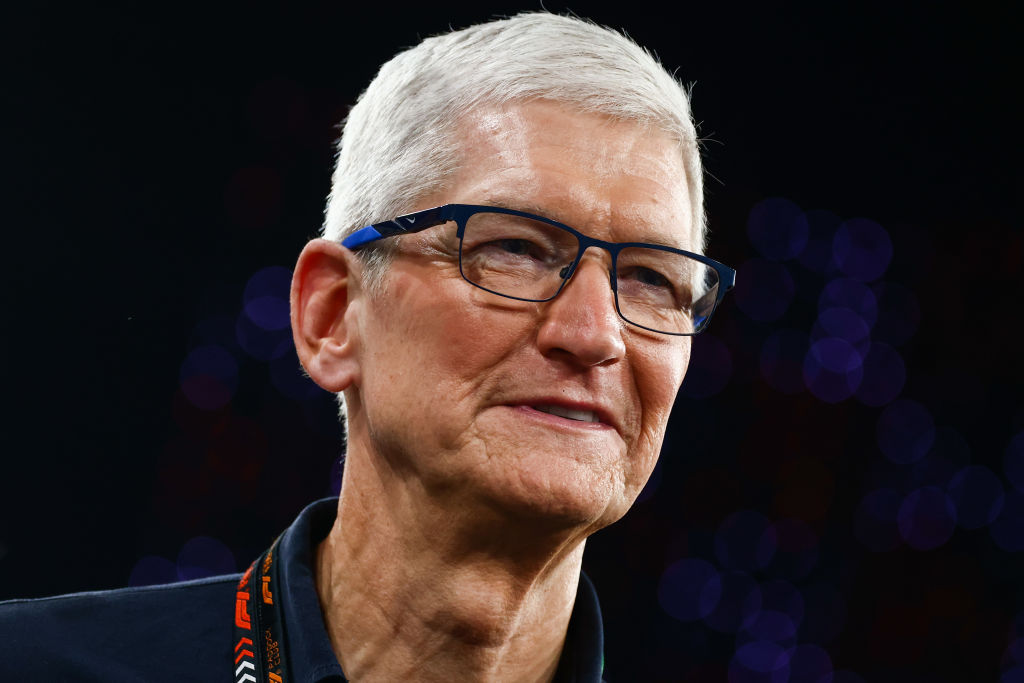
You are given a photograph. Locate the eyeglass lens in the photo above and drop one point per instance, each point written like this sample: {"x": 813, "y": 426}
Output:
{"x": 527, "y": 259}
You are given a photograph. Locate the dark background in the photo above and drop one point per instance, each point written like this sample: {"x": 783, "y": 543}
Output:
{"x": 155, "y": 159}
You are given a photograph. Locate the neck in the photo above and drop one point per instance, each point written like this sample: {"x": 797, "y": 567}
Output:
{"x": 411, "y": 590}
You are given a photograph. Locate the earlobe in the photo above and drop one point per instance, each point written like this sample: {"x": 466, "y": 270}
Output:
{"x": 323, "y": 287}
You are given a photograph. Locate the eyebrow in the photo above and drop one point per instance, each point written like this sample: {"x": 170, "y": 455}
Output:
{"x": 536, "y": 209}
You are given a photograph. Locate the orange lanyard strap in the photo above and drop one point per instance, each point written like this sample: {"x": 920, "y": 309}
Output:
{"x": 259, "y": 627}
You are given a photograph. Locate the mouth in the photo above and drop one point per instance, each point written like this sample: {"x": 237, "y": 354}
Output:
{"x": 568, "y": 413}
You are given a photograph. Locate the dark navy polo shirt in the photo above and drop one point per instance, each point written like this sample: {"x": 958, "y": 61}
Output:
{"x": 184, "y": 631}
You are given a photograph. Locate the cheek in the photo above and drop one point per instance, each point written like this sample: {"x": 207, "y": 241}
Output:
{"x": 663, "y": 372}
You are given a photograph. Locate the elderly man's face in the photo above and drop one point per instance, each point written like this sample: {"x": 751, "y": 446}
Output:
{"x": 461, "y": 389}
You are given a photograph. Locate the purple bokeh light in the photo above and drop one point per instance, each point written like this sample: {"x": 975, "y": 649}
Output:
{"x": 265, "y": 299}
{"x": 261, "y": 343}
{"x": 764, "y": 289}
{"x": 745, "y": 540}
{"x": 780, "y": 616}
{"x": 778, "y": 228}
{"x": 885, "y": 374}
{"x": 862, "y": 249}
{"x": 153, "y": 570}
{"x": 209, "y": 377}
{"x": 906, "y": 431}
{"x": 712, "y": 370}
{"x": 852, "y": 295}
{"x": 759, "y": 662}
{"x": 782, "y": 359}
{"x": 203, "y": 556}
{"x": 1013, "y": 462}
{"x": 772, "y": 625}
{"x": 738, "y": 605}
{"x": 842, "y": 323}
{"x": 263, "y": 328}
{"x": 833, "y": 369}
{"x": 689, "y": 589}
{"x": 927, "y": 518}
{"x": 978, "y": 495}
{"x": 875, "y": 520}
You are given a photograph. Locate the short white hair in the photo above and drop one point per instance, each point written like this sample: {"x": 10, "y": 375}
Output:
{"x": 398, "y": 143}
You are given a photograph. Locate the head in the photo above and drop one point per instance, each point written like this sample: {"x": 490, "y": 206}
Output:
{"x": 399, "y": 142}
{"x": 463, "y": 392}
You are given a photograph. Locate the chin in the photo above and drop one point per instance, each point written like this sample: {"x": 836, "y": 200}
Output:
{"x": 571, "y": 498}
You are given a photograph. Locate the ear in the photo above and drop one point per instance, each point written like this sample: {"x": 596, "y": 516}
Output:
{"x": 321, "y": 298}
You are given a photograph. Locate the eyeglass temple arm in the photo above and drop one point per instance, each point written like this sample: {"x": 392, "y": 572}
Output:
{"x": 403, "y": 225}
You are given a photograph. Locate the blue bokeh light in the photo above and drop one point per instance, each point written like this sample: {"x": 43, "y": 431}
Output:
{"x": 782, "y": 360}
{"x": 777, "y": 228}
{"x": 689, "y": 589}
{"x": 203, "y": 556}
{"x": 850, "y": 294}
{"x": 885, "y": 374}
{"x": 978, "y": 495}
{"x": 781, "y": 614}
{"x": 862, "y": 249}
{"x": 927, "y": 518}
{"x": 259, "y": 342}
{"x": 764, "y": 289}
{"x": 842, "y": 323}
{"x": 906, "y": 431}
{"x": 759, "y": 662}
{"x": 209, "y": 377}
{"x": 744, "y": 540}
{"x": 772, "y": 625}
{"x": 833, "y": 369}
{"x": 738, "y": 604}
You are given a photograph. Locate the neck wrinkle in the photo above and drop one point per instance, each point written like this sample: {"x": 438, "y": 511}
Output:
{"x": 410, "y": 593}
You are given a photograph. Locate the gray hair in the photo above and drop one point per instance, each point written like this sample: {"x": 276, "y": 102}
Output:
{"x": 398, "y": 142}
{"x": 399, "y": 145}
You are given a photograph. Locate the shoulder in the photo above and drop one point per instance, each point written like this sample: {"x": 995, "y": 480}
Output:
{"x": 178, "y": 631}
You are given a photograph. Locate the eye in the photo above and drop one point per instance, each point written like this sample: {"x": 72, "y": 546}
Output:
{"x": 651, "y": 278}
{"x": 518, "y": 247}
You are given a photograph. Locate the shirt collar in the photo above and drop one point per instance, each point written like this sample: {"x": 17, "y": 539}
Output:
{"x": 310, "y": 655}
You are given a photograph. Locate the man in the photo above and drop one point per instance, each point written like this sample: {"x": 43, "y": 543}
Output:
{"x": 504, "y": 298}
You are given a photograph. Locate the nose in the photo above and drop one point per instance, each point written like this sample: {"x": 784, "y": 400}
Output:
{"x": 581, "y": 323}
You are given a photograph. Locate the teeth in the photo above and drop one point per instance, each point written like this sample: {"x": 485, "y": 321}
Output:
{"x": 581, "y": 415}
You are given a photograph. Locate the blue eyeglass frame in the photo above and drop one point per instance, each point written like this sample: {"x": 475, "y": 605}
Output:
{"x": 460, "y": 214}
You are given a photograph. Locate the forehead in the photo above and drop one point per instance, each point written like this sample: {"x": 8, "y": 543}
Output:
{"x": 612, "y": 179}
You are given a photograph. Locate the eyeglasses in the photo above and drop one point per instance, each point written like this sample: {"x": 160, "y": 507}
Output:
{"x": 531, "y": 258}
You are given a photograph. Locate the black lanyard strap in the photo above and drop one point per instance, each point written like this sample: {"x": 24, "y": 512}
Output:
{"x": 259, "y": 626}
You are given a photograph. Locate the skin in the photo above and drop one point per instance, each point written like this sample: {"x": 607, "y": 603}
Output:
{"x": 464, "y": 511}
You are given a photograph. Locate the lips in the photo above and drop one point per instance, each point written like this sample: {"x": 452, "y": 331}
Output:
{"x": 569, "y": 413}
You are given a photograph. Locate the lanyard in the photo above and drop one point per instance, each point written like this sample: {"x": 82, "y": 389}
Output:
{"x": 259, "y": 626}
